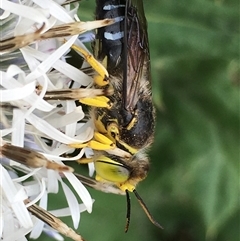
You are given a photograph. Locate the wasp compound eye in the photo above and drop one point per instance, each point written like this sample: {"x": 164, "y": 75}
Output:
{"x": 111, "y": 170}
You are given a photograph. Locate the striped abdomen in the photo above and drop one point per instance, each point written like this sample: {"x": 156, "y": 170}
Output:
{"x": 109, "y": 39}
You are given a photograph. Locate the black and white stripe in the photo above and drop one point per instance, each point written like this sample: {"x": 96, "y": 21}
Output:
{"x": 111, "y": 37}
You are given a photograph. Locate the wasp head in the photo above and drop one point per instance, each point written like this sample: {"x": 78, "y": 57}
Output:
{"x": 124, "y": 172}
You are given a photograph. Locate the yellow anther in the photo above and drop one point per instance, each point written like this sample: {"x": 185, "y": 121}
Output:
{"x": 98, "y": 101}
{"x": 97, "y": 66}
{"x": 102, "y": 138}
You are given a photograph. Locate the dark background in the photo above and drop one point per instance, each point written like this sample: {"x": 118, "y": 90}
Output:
{"x": 193, "y": 186}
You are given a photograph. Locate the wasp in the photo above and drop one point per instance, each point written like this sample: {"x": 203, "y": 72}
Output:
{"x": 126, "y": 124}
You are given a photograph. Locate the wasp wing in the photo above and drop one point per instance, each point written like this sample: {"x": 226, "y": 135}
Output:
{"x": 136, "y": 53}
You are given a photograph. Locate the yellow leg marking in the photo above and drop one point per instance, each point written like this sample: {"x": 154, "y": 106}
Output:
{"x": 99, "y": 125}
{"x": 103, "y": 139}
{"x": 132, "y": 123}
{"x": 113, "y": 131}
{"x": 97, "y": 66}
{"x": 100, "y": 143}
{"x": 129, "y": 148}
{"x": 96, "y": 145}
{"x": 85, "y": 160}
{"x": 78, "y": 145}
{"x": 98, "y": 79}
{"x": 97, "y": 101}
{"x": 100, "y": 146}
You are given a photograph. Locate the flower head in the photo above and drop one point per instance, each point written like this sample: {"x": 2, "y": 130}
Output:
{"x": 35, "y": 133}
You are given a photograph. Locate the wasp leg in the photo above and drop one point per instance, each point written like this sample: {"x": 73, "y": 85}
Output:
{"x": 133, "y": 121}
{"x": 97, "y": 101}
{"x": 113, "y": 131}
{"x": 103, "y": 78}
{"x": 101, "y": 186}
{"x": 100, "y": 143}
{"x": 92, "y": 97}
{"x": 74, "y": 94}
{"x": 85, "y": 160}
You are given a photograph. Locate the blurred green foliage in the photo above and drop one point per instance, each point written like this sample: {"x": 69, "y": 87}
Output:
{"x": 193, "y": 186}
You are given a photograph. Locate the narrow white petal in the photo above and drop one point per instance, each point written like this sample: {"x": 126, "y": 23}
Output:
{"x": 9, "y": 82}
{"x": 21, "y": 232}
{"x": 46, "y": 64}
{"x": 22, "y": 239}
{"x": 63, "y": 67}
{"x": 73, "y": 204}
{"x": 10, "y": 191}
{"x": 6, "y": 132}
{"x": 37, "y": 230}
{"x": 55, "y": 154}
{"x": 67, "y": 119}
{"x": 52, "y": 233}
{"x": 1, "y": 213}
{"x": 50, "y": 131}
{"x": 91, "y": 169}
{"x": 52, "y": 184}
{"x": 32, "y": 188}
{"x": 40, "y": 195}
{"x": 70, "y": 129}
{"x": 64, "y": 212}
{"x": 18, "y": 123}
{"x": 55, "y": 9}
{"x": 24, "y": 11}
{"x": 81, "y": 190}
{"x": 17, "y": 93}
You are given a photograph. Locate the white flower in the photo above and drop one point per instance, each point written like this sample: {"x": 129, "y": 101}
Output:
{"x": 29, "y": 121}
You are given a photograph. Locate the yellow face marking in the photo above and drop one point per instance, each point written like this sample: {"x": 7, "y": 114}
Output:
{"x": 126, "y": 186}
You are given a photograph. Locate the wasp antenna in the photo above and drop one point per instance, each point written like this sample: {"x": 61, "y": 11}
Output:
{"x": 145, "y": 209}
{"x": 128, "y": 211}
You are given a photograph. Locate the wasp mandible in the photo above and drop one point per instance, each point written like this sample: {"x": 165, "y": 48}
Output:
{"x": 128, "y": 122}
